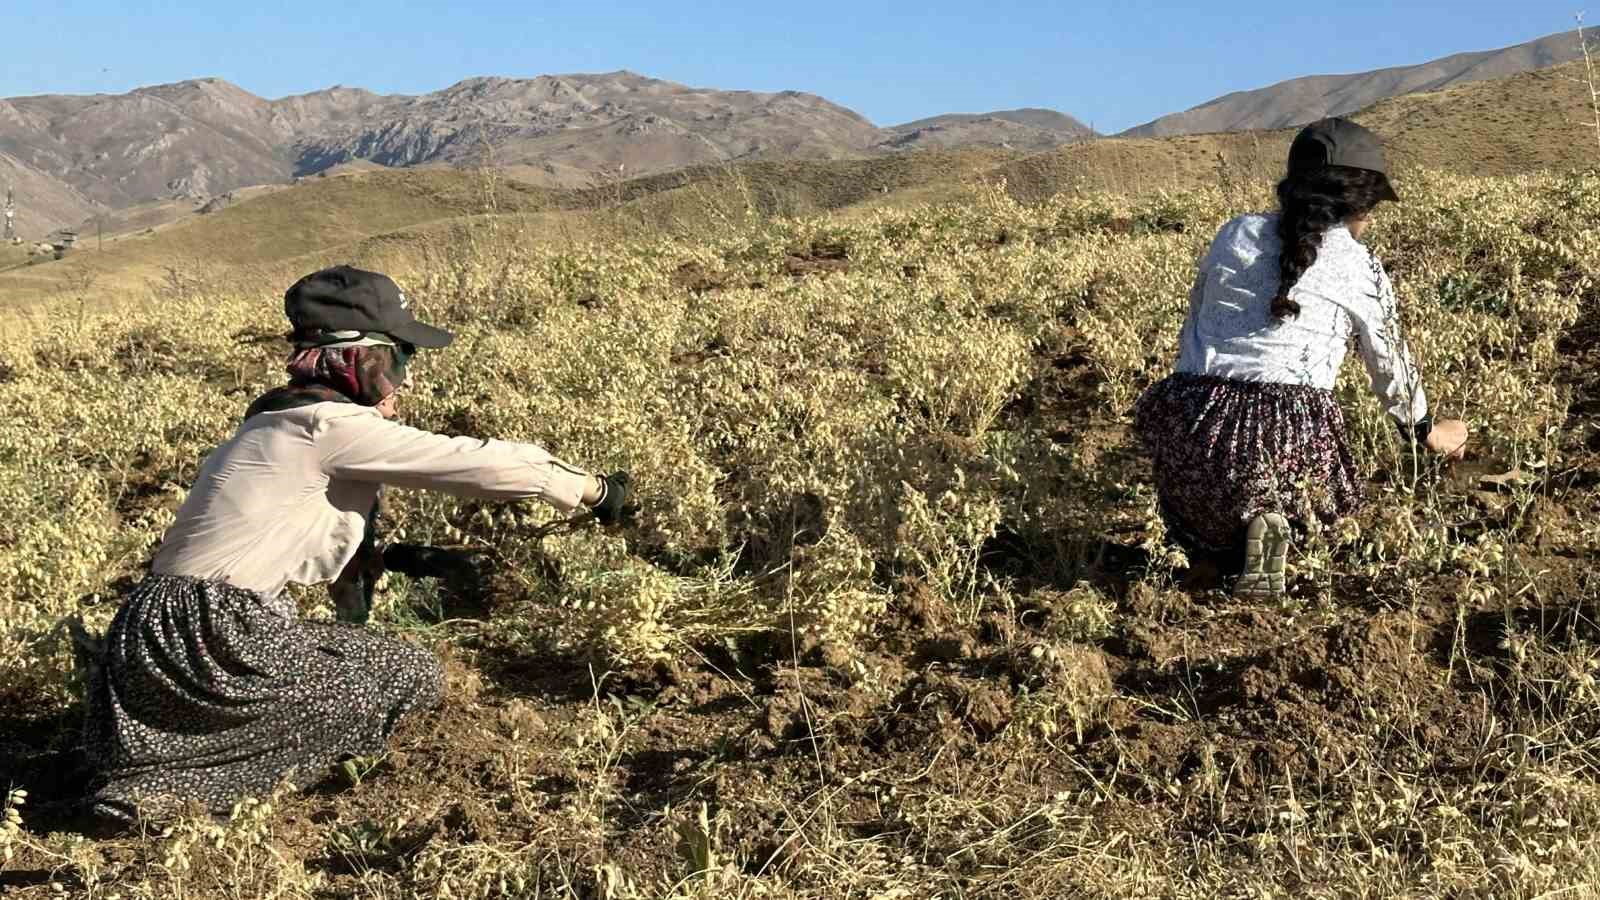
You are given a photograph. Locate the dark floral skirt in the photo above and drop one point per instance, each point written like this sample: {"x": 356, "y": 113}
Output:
{"x": 204, "y": 691}
{"x": 1226, "y": 451}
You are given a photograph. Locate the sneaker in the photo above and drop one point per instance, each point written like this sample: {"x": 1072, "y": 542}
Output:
{"x": 1266, "y": 554}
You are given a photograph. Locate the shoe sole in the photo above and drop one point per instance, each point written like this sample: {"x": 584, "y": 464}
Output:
{"x": 1266, "y": 557}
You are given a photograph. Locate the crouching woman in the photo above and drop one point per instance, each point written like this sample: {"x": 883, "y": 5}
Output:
{"x": 1247, "y": 438}
{"x": 208, "y": 686}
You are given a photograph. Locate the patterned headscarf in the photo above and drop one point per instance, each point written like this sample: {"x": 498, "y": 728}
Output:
{"x": 366, "y": 373}
{"x": 348, "y": 366}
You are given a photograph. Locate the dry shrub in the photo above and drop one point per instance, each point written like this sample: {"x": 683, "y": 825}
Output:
{"x": 804, "y": 438}
{"x": 875, "y": 392}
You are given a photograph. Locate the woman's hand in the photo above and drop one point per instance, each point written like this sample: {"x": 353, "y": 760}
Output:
{"x": 420, "y": 561}
{"x": 1448, "y": 438}
{"x": 609, "y": 499}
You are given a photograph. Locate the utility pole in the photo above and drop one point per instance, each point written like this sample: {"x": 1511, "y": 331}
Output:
{"x": 100, "y": 232}
{"x": 11, "y": 215}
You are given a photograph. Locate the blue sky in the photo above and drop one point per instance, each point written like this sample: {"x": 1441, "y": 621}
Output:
{"x": 1114, "y": 64}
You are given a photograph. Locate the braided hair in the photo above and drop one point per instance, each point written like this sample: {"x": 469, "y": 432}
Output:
{"x": 1311, "y": 201}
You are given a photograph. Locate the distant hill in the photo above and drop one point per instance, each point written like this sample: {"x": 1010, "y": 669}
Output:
{"x": 1302, "y": 100}
{"x": 1526, "y": 122}
{"x": 593, "y": 122}
{"x": 141, "y": 159}
{"x": 189, "y": 139}
{"x": 391, "y": 217}
{"x": 73, "y": 157}
{"x": 44, "y": 203}
{"x": 1017, "y": 129}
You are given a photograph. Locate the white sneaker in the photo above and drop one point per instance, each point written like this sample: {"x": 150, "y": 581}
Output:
{"x": 1266, "y": 555}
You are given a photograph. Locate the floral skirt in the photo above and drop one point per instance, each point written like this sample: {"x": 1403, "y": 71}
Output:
{"x": 1227, "y": 451}
{"x": 207, "y": 692}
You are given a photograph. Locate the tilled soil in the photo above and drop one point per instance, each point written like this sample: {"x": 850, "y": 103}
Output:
{"x": 1202, "y": 716}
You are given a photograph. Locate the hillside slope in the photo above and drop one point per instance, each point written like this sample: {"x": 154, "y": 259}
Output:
{"x": 1529, "y": 121}
{"x": 1033, "y": 130}
{"x": 398, "y": 213}
{"x": 266, "y": 228}
{"x": 43, "y": 203}
{"x": 77, "y": 156}
{"x": 1301, "y": 100}
{"x": 1526, "y": 122}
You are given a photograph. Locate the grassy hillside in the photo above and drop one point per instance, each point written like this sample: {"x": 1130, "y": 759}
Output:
{"x": 319, "y": 215}
{"x": 1287, "y": 103}
{"x": 1527, "y": 122}
{"x": 1523, "y": 123}
{"x": 13, "y": 254}
{"x": 798, "y": 187}
{"x": 1535, "y": 120}
{"x": 390, "y": 215}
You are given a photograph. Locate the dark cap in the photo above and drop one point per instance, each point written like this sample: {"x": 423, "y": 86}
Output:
{"x": 345, "y": 298}
{"x": 1339, "y": 142}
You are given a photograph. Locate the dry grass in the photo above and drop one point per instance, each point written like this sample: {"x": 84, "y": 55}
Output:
{"x": 321, "y": 215}
{"x": 13, "y": 255}
{"x": 896, "y": 620}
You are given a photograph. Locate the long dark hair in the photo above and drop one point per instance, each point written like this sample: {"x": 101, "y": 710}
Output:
{"x": 1310, "y": 203}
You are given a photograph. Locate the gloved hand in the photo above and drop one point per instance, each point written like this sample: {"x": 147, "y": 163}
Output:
{"x": 612, "y": 507}
{"x": 352, "y": 591}
{"x": 420, "y": 561}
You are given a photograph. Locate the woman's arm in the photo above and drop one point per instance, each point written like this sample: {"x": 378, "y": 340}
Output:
{"x": 358, "y": 444}
{"x": 1197, "y": 297}
{"x": 1395, "y": 379}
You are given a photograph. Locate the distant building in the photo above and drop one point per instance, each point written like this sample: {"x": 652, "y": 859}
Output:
{"x": 62, "y": 241}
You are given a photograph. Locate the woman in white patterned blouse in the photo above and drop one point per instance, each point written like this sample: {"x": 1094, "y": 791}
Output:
{"x": 1247, "y": 439}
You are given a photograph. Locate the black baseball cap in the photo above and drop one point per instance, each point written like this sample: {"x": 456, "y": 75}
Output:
{"x": 1339, "y": 142}
{"x": 344, "y": 298}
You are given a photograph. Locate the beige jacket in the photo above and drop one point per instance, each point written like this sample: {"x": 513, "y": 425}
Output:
{"x": 287, "y": 497}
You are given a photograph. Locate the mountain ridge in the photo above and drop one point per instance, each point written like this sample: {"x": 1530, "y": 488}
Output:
{"x": 1297, "y": 101}
{"x": 1028, "y": 128}
{"x": 206, "y": 136}
{"x": 360, "y": 211}
{"x": 71, "y": 157}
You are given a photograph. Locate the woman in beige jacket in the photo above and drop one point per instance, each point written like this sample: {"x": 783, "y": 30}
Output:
{"x": 209, "y": 686}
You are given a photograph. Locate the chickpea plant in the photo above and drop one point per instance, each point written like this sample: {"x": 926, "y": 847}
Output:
{"x": 819, "y": 412}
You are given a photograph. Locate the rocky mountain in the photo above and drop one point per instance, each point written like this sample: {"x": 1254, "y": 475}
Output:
{"x": 1032, "y": 130}
{"x": 1302, "y": 100}
{"x": 588, "y": 122}
{"x": 71, "y": 156}
{"x": 194, "y": 138}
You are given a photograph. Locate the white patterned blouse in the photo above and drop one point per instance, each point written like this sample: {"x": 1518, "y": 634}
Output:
{"x": 1231, "y": 332}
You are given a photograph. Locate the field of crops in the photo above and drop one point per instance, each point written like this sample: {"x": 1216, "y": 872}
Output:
{"x": 896, "y": 618}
